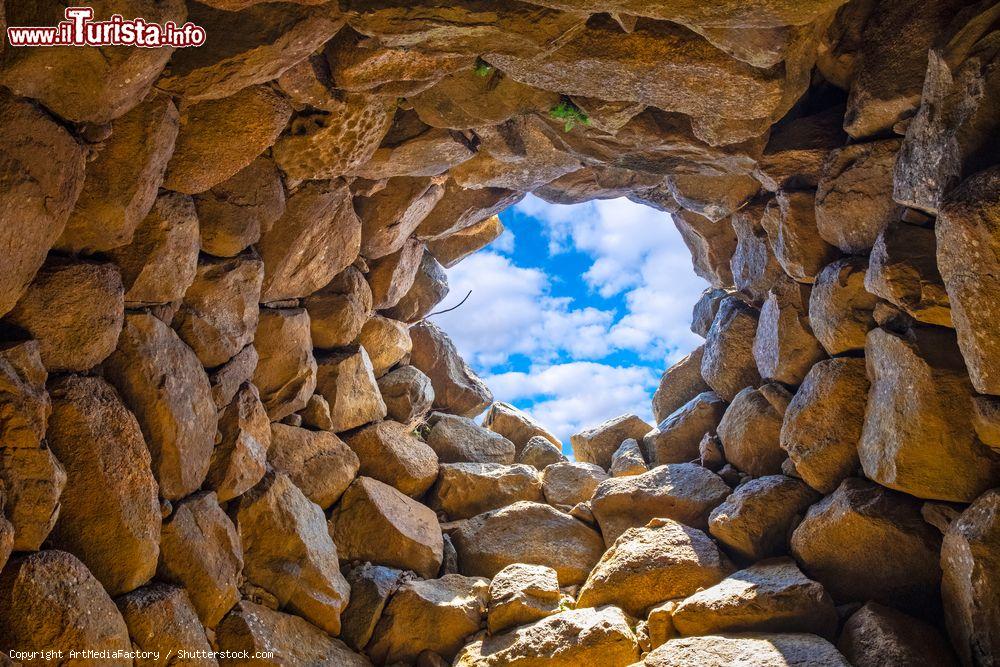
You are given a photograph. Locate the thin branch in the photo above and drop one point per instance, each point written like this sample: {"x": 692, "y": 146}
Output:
{"x": 448, "y": 310}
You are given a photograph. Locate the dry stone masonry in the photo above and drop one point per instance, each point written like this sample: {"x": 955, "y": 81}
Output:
{"x": 227, "y": 425}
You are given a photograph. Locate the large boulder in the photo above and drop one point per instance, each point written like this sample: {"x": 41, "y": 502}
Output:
{"x": 464, "y": 490}
{"x": 205, "y": 155}
{"x": 161, "y": 380}
{"x": 684, "y": 492}
{"x": 201, "y": 551}
{"x": 24, "y": 403}
{"x": 317, "y": 237}
{"x": 161, "y": 261}
{"x": 840, "y": 308}
{"x": 377, "y": 523}
{"x": 966, "y": 255}
{"x": 790, "y": 223}
{"x": 854, "y": 195}
{"x": 679, "y": 384}
{"x": 918, "y": 435}
{"x": 392, "y": 214}
{"x": 347, "y": 382}
{"x": 771, "y": 596}
{"x": 389, "y": 453}
{"x": 455, "y": 247}
{"x": 574, "y": 637}
{"x": 758, "y": 649}
{"x": 34, "y": 481}
{"x": 756, "y": 520}
{"x": 539, "y": 452}
{"x": 219, "y": 313}
{"x": 234, "y": 213}
{"x": 569, "y": 483}
{"x": 751, "y": 427}
{"x": 676, "y": 438}
{"x": 288, "y": 552}
{"x": 728, "y": 364}
{"x": 286, "y": 372}
{"x": 75, "y": 311}
{"x": 711, "y": 244}
{"x": 387, "y": 342}
{"x": 457, "y": 389}
{"x": 516, "y": 425}
{"x": 392, "y": 276}
{"x": 628, "y": 460}
{"x": 52, "y": 602}
{"x": 876, "y": 635}
{"x": 407, "y": 393}
{"x": 522, "y": 594}
{"x": 598, "y": 443}
{"x": 822, "y": 425}
{"x": 893, "y": 552}
{"x": 239, "y": 459}
{"x": 435, "y": 615}
{"x": 531, "y": 533}
{"x": 903, "y": 270}
{"x": 460, "y": 440}
{"x": 429, "y": 288}
{"x": 649, "y": 565}
{"x": 784, "y": 347}
{"x": 970, "y": 586}
{"x": 317, "y": 462}
{"x": 227, "y": 379}
{"x": 110, "y": 515}
{"x": 122, "y": 181}
{"x": 161, "y": 618}
{"x": 252, "y": 629}
{"x": 41, "y": 179}
{"x": 339, "y": 310}
{"x": 754, "y": 266}
{"x": 371, "y": 588}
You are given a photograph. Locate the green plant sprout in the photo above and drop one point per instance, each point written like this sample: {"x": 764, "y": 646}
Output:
{"x": 570, "y": 113}
{"x": 482, "y": 68}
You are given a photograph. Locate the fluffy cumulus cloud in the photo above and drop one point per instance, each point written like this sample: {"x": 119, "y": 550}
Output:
{"x": 572, "y": 396}
{"x": 592, "y": 355}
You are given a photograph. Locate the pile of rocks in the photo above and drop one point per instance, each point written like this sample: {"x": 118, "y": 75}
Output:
{"x": 225, "y": 423}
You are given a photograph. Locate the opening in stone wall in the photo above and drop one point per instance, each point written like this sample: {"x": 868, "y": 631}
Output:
{"x": 573, "y": 313}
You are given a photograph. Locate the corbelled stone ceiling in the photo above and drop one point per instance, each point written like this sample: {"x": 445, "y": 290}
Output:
{"x": 227, "y": 428}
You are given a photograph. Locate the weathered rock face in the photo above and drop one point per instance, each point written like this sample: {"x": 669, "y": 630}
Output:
{"x": 684, "y": 492}
{"x": 520, "y": 594}
{"x": 460, "y": 440}
{"x": 822, "y": 425}
{"x": 728, "y": 364}
{"x": 24, "y": 403}
{"x": 407, "y": 393}
{"x": 161, "y": 617}
{"x": 375, "y": 522}
{"x": 317, "y": 462}
{"x": 597, "y": 444}
{"x": 464, "y": 490}
{"x": 755, "y": 522}
{"x": 389, "y": 453}
{"x": 648, "y": 565}
{"x": 387, "y": 342}
{"x": 286, "y": 373}
{"x": 918, "y": 435}
{"x": 339, "y": 310}
{"x": 840, "y": 308}
{"x": 578, "y": 636}
{"x": 628, "y": 460}
{"x": 239, "y": 458}
{"x": 34, "y": 480}
{"x": 457, "y": 389}
{"x": 876, "y": 635}
{"x": 161, "y": 380}
{"x": 569, "y": 483}
{"x": 894, "y": 554}
{"x": 766, "y": 650}
{"x": 110, "y": 515}
{"x": 754, "y": 266}
{"x": 750, "y": 430}
{"x": 676, "y": 438}
{"x": 785, "y": 347}
{"x": 201, "y": 551}
{"x": 531, "y": 533}
{"x": 540, "y": 453}
{"x": 75, "y": 311}
{"x": 347, "y": 382}
{"x": 51, "y": 597}
{"x": 432, "y": 615}
{"x": 283, "y": 532}
{"x": 517, "y": 426}
{"x": 970, "y": 587}
{"x": 679, "y": 384}
{"x": 966, "y": 249}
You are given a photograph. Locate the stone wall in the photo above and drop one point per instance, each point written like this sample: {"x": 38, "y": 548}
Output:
{"x": 226, "y": 425}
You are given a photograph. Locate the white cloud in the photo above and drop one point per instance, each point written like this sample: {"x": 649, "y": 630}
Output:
{"x": 637, "y": 251}
{"x": 510, "y": 311}
{"x": 570, "y": 397}
{"x": 504, "y": 243}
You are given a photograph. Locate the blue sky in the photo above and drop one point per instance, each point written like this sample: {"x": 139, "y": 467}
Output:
{"x": 576, "y": 310}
